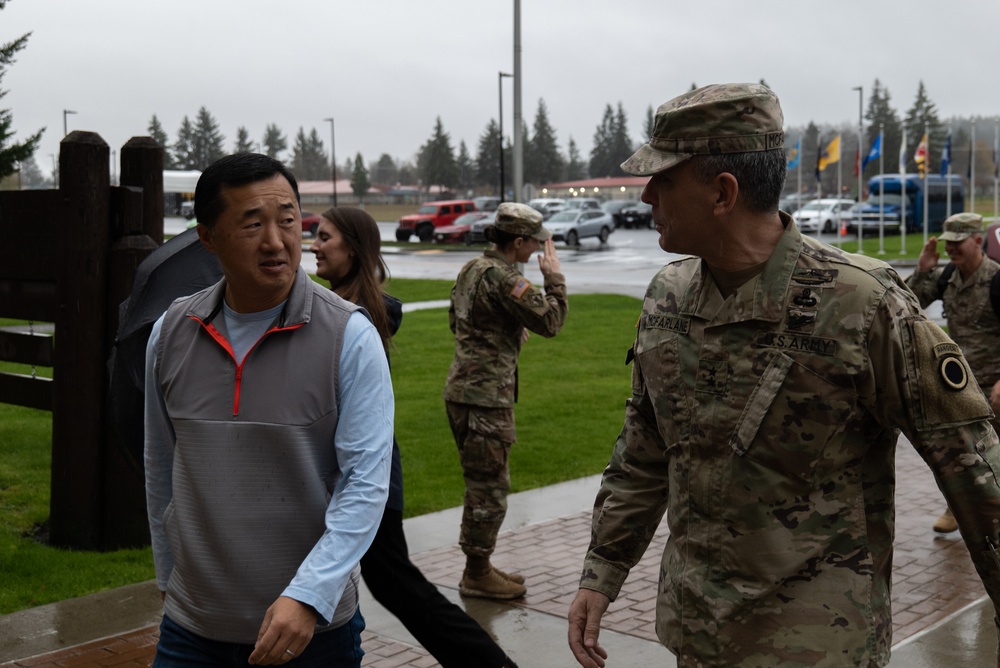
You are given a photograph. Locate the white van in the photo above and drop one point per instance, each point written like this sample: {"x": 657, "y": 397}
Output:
{"x": 822, "y": 214}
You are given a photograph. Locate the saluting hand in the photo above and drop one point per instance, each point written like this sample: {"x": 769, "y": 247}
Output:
{"x": 929, "y": 255}
{"x": 548, "y": 261}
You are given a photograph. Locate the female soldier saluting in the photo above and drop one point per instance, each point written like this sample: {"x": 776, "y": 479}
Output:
{"x": 492, "y": 307}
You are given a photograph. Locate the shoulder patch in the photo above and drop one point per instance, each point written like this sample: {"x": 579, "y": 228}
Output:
{"x": 520, "y": 288}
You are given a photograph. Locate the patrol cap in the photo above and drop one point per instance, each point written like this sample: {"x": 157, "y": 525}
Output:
{"x": 721, "y": 118}
{"x": 961, "y": 226}
{"x": 521, "y": 219}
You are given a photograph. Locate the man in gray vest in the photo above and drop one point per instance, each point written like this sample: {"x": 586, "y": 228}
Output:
{"x": 269, "y": 414}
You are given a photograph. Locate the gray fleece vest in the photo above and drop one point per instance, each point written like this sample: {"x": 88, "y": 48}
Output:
{"x": 254, "y": 461}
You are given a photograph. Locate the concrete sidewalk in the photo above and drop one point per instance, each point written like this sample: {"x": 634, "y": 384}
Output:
{"x": 939, "y": 615}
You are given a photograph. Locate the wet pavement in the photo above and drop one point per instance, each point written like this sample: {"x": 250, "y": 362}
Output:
{"x": 940, "y": 617}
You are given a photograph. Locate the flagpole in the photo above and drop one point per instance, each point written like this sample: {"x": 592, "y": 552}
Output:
{"x": 972, "y": 169}
{"x": 947, "y": 174}
{"x": 902, "y": 190}
{"x": 881, "y": 193}
{"x": 996, "y": 170}
{"x": 927, "y": 164}
{"x": 861, "y": 134}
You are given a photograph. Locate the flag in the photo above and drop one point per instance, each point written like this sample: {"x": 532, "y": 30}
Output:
{"x": 795, "y": 157}
{"x": 857, "y": 161}
{"x": 920, "y": 156}
{"x": 874, "y": 152}
{"x": 996, "y": 154}
{"x": 829, "y": 155}
{"x": 902, "y": 154}
{"x": 972, "y": 156}
{"x": 946, "y": 155}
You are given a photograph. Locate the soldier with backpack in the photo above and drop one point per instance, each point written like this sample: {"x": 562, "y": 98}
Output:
{"x": 971, "y": 297}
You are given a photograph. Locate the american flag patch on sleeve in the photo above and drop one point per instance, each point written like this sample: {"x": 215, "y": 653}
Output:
{"x": 520, "y": 288}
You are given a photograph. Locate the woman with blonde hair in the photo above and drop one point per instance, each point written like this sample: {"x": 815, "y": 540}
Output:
{"x": 347, "y": 249}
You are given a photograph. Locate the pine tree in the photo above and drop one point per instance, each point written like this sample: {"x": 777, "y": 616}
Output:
{"x": 600, "y": 160}
{"x": 385, "y": 170}
{"x": 923, "y": 114}
{"x": 650, "y": 122}
{"x": 32, "y": 177}
{"x": 243, "y": 142}
{"x": 274, "y": 142}
{"x": 157, "y": 132}
{"x": 436, "y": 161}
{"x": 12, "y": 153}
{"x": 488, "y": 156}
{"x": 309, "y": 161}
{"x": 543, "y": 164}
{"x": 207, "y": 143}
{"x": 184, "y": 146}
{"x": 359, "y": 178}
{"x": 466, "y": 170}
{"x": 575, "y": 167}
{"x": 881, "y": 114}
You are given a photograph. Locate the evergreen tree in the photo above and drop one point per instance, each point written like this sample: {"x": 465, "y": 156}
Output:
{"x": 12, "y": 153}
{"x": 407, "y": 173}
{"x": 32, "y": 177}
{"x": 348, "y": 168}
{"x": 309, "y": 161}
{"x": 622, "y": 148}
{"x": 359, "y": 178}
{"x": 542, "y": 161}
{"x": 488, "y": 156}
{"x": 184, "y": 146}
{"x": 385, "y": 170}
{"x": 575, "y": 167}
{"x": 243, "y": 142}
{"x": 207, "y": 143}
{"x": 650, "y": 123}
{"x": 466, "y": 169}
{"x": 157, "y": 132}
{"x": 881, "y": 114}
{"x": 923, "y": 114}
{"x": 436, "y": 161}
{"x": 600, "y": 154}
{"x": 274, "y": 142}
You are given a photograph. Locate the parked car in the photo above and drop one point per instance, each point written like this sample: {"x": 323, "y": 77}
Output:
{"x": 792, "y": 203}
{"x": 310, "y": 223}
{"x": 547, "y": 205}
{"x": 476, "y": 230}
{"x": 822, "y": 214}
{"x": 575, "y": 224}
{"x": 486, "y": 203}
{"x": 639, "y": 215}
{"x": 613, "y": 207}
{"x": 583, "y": 203}
{"x": 431, "y": 215}
{"x": 458, "y": 231}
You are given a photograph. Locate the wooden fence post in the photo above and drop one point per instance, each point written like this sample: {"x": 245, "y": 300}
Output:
{"x": 80, "y": 351}
{"x": 142, "y": 167}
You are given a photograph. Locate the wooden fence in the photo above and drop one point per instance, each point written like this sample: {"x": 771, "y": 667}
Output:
{"x": 68, "y": 257}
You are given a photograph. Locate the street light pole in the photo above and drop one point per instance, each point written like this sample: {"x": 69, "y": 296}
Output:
{"x": 333, "y": 162}
{"x": 861, "y": 132}
{"x": 65, "y": 113}
{"x": 500, "y": 76}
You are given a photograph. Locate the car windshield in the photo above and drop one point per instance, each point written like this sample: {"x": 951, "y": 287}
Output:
{"x": 814, "y": 206}
{"x": 427, "y": 209}
{"x": 890, "y": 199}
{"x": 467, "y": 218}
{"x": 564, "y": 217}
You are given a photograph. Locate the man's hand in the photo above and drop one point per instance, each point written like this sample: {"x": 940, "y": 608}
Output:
{"x": 287, "y": 628}
{"x": 929, "y": 256}
{"x": 995, "y": 398}
{"x": 548, "y": 261}
{"x": 585, "y": 626}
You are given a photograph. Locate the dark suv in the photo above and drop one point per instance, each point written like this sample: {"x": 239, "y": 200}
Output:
{"x": 431, "y": 215}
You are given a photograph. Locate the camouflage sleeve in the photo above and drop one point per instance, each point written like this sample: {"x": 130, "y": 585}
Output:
{"x": 452, "y": 321}
{"x": 924, "y": 285}
{"x": 542, "y": 312}
{"x": 632, "y": 499}
{"x": 923, "y": 384}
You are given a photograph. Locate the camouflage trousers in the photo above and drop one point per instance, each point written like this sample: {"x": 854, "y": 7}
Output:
{"x": 484, "y": 437}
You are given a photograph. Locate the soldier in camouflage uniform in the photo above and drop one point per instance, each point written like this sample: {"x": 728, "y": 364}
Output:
{"x": 771, "y": 375}
{"x": 965, "y": 291}
{"x": 492, "y": 307}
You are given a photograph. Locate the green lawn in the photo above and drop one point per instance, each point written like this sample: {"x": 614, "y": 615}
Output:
{"x": 572, "y": 393}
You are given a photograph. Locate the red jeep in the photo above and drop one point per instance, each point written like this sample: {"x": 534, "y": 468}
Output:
{"x": 431, "y": 215}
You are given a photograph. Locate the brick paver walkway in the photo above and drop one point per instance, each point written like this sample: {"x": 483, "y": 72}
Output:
{"x": 933, "y": 578}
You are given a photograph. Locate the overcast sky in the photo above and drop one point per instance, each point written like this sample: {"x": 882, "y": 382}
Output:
{"x": 385, "y": 69}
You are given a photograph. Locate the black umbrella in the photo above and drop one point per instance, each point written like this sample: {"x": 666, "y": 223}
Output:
{"x": 178, "y": 268}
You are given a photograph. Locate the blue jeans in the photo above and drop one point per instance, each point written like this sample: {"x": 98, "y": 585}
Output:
{"x": 336, "y": 648}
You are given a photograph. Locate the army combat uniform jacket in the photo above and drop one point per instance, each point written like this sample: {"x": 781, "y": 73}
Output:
{"x": 765, "y": 426}
{"x": 491, "y": 304}
{"x": 972, "y": 323}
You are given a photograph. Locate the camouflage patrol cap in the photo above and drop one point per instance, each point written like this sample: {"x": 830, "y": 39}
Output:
{"x": 521, "y": 219}
{"x": 961, "y": 226}
{"x": 721, "y": 118}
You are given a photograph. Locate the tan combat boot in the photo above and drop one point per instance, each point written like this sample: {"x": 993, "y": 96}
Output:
{"x": 490, "y": 585}
{"x": 513, "y": 577}
{"x": 946, "y": 523}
